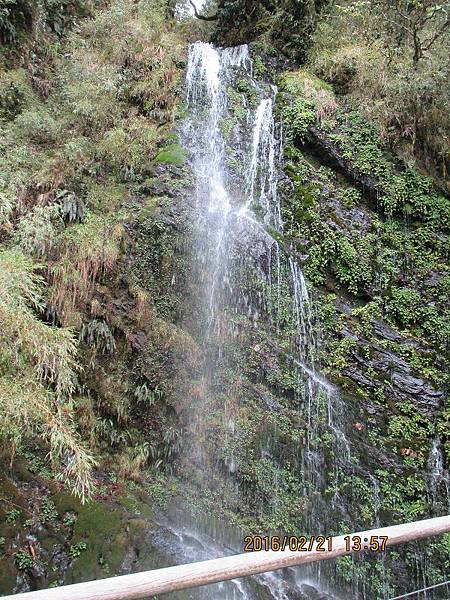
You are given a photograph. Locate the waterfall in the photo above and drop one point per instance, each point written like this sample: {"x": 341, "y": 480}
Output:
{"x": 236, "y": 229}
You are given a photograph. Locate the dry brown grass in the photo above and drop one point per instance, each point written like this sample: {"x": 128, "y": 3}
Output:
{"x": 88, "y": 251}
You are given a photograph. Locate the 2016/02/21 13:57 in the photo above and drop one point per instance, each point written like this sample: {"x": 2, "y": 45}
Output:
{"x": 355, "y": 543}
{"x": 320, "y": 543}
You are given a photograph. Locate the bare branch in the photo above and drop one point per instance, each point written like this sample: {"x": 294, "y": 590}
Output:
{"x": 428, "y": 43}
{"x": 202, "y": 17}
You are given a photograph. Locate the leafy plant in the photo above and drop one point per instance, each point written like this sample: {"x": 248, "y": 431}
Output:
{"x": 76, "y": 549}
{"x": 69, "y": 519}
{"x": 24, "y": 560}
{"x": 28, "y": 523}
{"x": 300, "y": 115}
{"x": 404, "y": 305}
{"x": 12, "y": 515}
{"x": 47, "y": 511}
{"x": 144, "y": 393}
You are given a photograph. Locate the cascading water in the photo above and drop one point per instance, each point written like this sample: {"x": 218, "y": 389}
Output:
{"x": 241, "y": 268}
{"x": 238, "y": 219}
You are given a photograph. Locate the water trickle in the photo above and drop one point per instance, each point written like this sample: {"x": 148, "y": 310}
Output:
{"x": 439, "y": 477}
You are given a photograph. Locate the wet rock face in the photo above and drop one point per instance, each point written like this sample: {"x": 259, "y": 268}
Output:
{"x": 390, "y": 368}
{"x": 350, "y": 222}
{"x": 331, "y": 156}
{"x": 374, "y": 291}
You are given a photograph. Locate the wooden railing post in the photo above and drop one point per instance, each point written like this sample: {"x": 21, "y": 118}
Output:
{"x": 170, "y": 579}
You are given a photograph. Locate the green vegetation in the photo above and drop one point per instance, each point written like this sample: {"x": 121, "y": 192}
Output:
{"x": 12, "y": 515}
{"x": 24, "y": 561}
{"x": 391, "y": 59}
{"x": 76, "y": 549}
{"x": 173, "y": 154}
{"x": 379, "y": 259}
{"x": 100, "y": 359}
{"x": 76, "y": 137}
{"x": 38, "y": 366}
{"x": 380, "y": 263}
{"x": 285, "y": 24}
{"x": 48, "y": 511}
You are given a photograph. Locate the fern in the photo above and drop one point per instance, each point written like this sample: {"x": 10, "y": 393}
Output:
{"x": 87, "y": 250}
{"x": 98, "y": 335}
{"x": 37, "y": 231}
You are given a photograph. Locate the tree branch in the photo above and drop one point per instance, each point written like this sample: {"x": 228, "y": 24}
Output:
{"x": 426, "y": 45}
{"x": 202, "y": 17}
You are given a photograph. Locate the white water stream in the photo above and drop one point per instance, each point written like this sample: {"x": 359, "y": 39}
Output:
{"x": 233, "y": 208}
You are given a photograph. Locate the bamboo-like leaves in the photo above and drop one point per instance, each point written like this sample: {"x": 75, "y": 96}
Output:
{"x": 38, "y": 373}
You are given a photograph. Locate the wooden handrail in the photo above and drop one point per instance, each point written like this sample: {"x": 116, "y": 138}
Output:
{"x": 170, "y": 579}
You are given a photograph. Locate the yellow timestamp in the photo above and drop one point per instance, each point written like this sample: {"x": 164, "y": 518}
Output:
{"x": 313, "y": 543}
{"x": 294, "y": 543}
{"x": 374, "y": 543}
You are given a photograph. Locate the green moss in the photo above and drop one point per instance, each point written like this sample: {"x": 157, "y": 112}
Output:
{"x": 101, "y": 528}
{"x": 173, "y": 154}
{"x": 137, "y": 506}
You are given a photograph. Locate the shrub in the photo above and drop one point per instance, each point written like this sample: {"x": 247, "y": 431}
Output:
{"x": 404, "y": 306}
{"x": 36, "y": 125}
{"x": 300, "y": 115}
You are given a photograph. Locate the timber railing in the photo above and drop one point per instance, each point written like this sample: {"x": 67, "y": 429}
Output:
{"x": 149, "y": 583}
